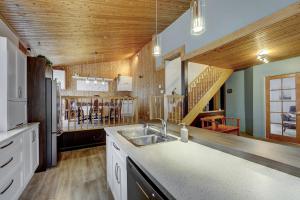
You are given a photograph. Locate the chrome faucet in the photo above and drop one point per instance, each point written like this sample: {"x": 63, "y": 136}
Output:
{"x": 163, "y": 129}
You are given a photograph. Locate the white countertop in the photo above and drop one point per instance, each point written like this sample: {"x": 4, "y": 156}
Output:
{"x": 193, "y": 171}
{"x": 5, "y": 135}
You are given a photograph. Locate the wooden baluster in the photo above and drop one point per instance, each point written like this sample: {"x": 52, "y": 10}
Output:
{"x": 92, "y": 113}
{"x": 109, "y": 111}
{"x": 115, "y": 111}
{"x": 102, "y": 113}
{"x": 123, "y": 104}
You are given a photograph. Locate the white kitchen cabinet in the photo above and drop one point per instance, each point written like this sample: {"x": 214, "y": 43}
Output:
{"x": 34, "y": 138}
{"x": 124, "y": 83}
{"x": 11, "y": 59}
{"x": 116, "y": 169}
{"x": 17, "y": 113}
{"x": 18, "y": 161}
{"x": 13, "y": 86}
{"x": 31, "y": 149}
{"x": 109, "y": 159}
{"x": 21, "y": 76}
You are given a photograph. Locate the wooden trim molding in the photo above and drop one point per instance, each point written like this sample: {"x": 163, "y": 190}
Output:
{"x": 179, "y": 52}
{"x": 268, "y": 118}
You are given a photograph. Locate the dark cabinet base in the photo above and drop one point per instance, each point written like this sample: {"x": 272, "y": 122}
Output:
{"x": 81, "y": 139}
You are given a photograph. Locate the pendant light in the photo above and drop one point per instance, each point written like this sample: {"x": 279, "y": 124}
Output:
{"x": 156, "y": 39}
{"x": 197, "y": 17}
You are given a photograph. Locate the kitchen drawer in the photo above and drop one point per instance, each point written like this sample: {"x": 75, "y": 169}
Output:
{"x": 118, "y": 151}
{"x": 11, "y": 187}
{"x": 9, "y": 161}
{"x": 9, "y": 146}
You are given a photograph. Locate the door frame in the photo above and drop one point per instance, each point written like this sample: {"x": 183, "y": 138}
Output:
{"x": 267, "y": 104}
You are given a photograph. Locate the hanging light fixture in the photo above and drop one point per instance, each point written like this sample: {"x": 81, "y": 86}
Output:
{"x": 156, "y": 38}
{"x": 197, "y": 17}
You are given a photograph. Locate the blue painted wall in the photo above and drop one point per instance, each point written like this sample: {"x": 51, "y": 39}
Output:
{"x": 235, "y": 102}
{"x": 235, "y": 106}
{"x": 259, "y": 74}
{"x": 222, "y": 18}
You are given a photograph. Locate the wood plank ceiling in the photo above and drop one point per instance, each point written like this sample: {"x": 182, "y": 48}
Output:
{"x": 70, "y": 32}
{"x": 281, "y": 40}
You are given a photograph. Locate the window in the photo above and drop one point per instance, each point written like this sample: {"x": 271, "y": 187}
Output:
{"x": 60, "y": 76}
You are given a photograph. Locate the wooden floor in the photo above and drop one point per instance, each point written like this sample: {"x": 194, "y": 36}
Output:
{"x": 80, "y": 175}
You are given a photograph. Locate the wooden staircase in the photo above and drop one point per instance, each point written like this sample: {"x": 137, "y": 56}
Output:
{"x": 202, "y": 90}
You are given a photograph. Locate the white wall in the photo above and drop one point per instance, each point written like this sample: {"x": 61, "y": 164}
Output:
{"x": 222, "y": 18}
{"x": 6, "y": 32}
{"x": 194, "y": 69}
{"x": 235, "y": 101}
{"x": 173, "y": 76}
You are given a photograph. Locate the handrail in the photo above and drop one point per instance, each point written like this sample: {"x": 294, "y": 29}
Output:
{"x": 172, "y": 104}
{"x": 91, "y": 112}
{"x": 201, "y": 85}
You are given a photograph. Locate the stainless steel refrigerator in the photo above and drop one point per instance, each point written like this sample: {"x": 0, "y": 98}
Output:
{"x": 53, "y": 120}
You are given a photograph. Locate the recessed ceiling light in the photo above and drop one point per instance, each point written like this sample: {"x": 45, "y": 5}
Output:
{"x": 262, "y": 55}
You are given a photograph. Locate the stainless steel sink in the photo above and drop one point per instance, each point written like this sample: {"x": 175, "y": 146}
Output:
{"x": 150, "y": 139}
{"x": 145, "y": 136}
{"x": 137, "y": 132}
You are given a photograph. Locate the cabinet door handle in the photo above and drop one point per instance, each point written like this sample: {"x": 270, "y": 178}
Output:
{"x": 11, "y": 159}
{"x": 18, "y": 125}
{"x": 33, "y": 136}
{"x": 116, "y": 147}
{"x": 119, "y": 177}
{"x": 116, "y": 176}
{"x": 20, "y": 92}
{"x": 3, "y": 147}
{"x": 7, "y": 187}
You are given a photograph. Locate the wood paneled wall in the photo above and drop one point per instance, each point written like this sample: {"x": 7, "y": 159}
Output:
{"x": 146, "y": 79}
{"x": 106, "y": 70}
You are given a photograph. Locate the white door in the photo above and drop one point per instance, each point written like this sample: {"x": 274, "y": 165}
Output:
{"x": 116, "y": 175}
{"x": 12, "y": 71}
{"x": 27, "y": 156}
{"x": 21, "y": 75}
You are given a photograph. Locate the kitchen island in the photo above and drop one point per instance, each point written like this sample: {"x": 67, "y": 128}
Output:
{"x": 196, "y": 171}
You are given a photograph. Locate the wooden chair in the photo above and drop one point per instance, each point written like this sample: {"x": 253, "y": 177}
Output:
{"x": 221, "y": 124}
{"x": 229, "y": 125}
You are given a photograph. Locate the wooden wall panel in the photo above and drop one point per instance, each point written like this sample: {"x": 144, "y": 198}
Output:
{"x": 106, "y": 70}
{"x": 145, "y": 79}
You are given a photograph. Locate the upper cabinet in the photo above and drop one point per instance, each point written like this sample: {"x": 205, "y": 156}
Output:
{"x": 124, "y": 83}
{"x": 13, "y": 85}
{"x": 14, "y": 63}
{"x": 10, "y": 55}
{"x": 21, "y": 75}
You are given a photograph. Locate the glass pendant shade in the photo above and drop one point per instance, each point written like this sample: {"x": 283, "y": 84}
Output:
{"x": 197, "y": 17}
{"x": 156, "y": 45}
{"x": 156, "y": 39}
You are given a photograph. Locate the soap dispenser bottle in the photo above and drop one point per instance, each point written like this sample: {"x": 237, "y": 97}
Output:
{"x": 184, "y": 133}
